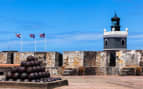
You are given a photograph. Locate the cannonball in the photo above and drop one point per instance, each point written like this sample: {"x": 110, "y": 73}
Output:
{"x": 28, "y": 64}
{"x": 38, "y": 69}
{"x": 30, "y": 58}
{"x": 34, "y": 69}
{"x": 26, "y": 80}
{"x": 23, "y": 63}
{"x": 33, "y": 80}
{"x": 31, "y": 76}
{"x": 37, "y": 63}
{"x": 8, "y": 74}
{"x": 18, "y": 80}
{"x": 40, "y": 74}
{"x": 36, "y": 75}
{"x": 16, "y": 75}
{"x": 42, "y": 68}
{"x": 23, "y": 75}
{"x": 47, "y": 74}
{"x": 29, "y": 70}
{"x": 32, "y": 63}
{"x": 37, "y": 80}
{"x": 11, "y": 79}
{"x": 15, "y": 69}
{"x": 21, "y": 69}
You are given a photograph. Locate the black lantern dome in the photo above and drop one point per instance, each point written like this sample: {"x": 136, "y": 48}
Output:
{"x": 115, "y": 23}
{"x": 115, "y": 18}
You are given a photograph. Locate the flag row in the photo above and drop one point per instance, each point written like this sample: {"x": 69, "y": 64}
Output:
{"x": 42, "y": 35}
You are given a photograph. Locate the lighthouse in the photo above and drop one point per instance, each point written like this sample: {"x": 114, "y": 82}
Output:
{"x": 115, "y": 39}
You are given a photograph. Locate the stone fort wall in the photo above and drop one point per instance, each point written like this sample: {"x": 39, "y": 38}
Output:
{"x": 99, "y": 61}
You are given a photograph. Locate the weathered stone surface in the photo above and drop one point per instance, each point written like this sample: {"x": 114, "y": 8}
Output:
{"x": 128, "y": 58}
{"x": 73, "y": 59}
{"x": 21, "y": 56}
{"x": 33, "y": 85}
{"x": 3, "y": 57}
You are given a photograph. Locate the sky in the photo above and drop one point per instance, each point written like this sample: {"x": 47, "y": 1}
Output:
{"x": 70, "y": 25}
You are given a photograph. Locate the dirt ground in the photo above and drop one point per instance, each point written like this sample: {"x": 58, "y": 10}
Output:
{"x": 104, "y": 82}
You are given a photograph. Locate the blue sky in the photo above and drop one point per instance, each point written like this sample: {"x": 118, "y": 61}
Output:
{"x": 69, "y": 24}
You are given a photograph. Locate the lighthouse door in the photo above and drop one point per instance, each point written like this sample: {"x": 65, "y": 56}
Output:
{"x": 112, "y": 59}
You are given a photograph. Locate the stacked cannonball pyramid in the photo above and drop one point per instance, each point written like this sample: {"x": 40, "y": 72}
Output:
{"x": 30, "y": 70}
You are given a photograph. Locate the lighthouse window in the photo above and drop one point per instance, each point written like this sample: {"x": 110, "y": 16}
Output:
{"x": 106, "y": 42}
{"x": 123, "y": 42}
{"x": 114, "y": 23}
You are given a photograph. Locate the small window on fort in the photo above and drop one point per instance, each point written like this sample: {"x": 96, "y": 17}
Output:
{"x": 123, "y": 42}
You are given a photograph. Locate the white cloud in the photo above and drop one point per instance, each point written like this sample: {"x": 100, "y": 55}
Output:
{"x": 90, "y": 36}
{"x": 82, "y": 36}
{"x": 140, "y": 36}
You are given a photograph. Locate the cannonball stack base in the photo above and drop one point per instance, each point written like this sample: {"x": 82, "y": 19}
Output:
{"x": 32, "y": 85}
{"x": 31, "y": 74}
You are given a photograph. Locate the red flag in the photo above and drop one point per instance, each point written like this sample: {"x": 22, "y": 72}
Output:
{"x": 32, "y": 36}
{"x": 42, "y": 35}
{"x": 18, "y": 35}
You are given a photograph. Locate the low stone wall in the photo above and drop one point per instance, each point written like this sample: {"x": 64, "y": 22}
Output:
{"x": 32, "y": 85}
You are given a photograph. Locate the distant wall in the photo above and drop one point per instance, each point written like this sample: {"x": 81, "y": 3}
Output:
{"x": 73, "y": 59}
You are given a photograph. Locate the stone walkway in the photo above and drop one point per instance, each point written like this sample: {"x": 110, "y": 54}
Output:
{"x": 104, "y": 82}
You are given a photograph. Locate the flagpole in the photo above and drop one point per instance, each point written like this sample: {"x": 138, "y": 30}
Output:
{"x": 8, "y": 43}
{"x": 45, "y": 44}
{"x": 34, "y": 44}
{"x": 21, "y": 44}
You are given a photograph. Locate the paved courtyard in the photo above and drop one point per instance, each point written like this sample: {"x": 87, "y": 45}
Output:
{"x": 104, "y": 82}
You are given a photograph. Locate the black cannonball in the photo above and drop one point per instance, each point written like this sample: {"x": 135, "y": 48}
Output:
{"x": 36, "y": 59}
{"x": 47, "y": 74}
{"x": 23, "y": 63}
{"x": 32, "y": 63}
{"x": 33, "y": 80}
{"x": 30, "y": 58}
{"x": 9, "y": 75}
{"x": 37, "y": 63}
{"x": 23, "y": 75}
{"x": 11, "y": 79}
{"x": 28, "y": 64}
{"x": 21, "y": 69}
{"x": 18, "y": 80}
{"x": 38, "y": 69}
{"x": 42, "y": 68}
{"x": 37, "y": 80}
{"x": 40, "y": 74}
{"x": 36, "y": 75}
{"x": 29, "y": 70}
{"x": 44, "y": 74}
{"x": 49, "y": 79}
{"x": 31, "y": 76}
{"x": 15, "y": 69}
{"x": 26, "y": 80}
{"x": 45, "y": 80}
{"x": 34, "y": 69}
{"x": 16, "y": 75}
